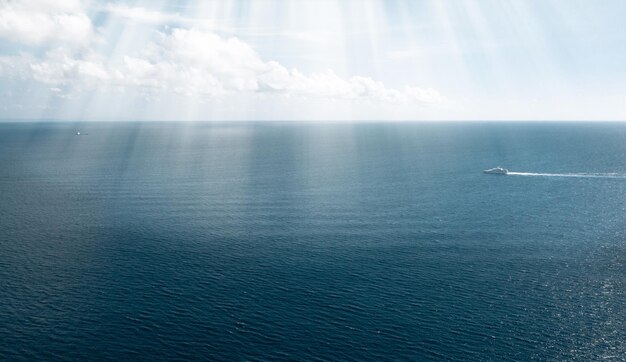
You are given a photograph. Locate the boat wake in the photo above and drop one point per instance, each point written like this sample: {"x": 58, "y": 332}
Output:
{"x": 578, "y": 175}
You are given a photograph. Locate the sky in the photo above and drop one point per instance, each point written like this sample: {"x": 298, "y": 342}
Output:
{"x": 313, "y": 60}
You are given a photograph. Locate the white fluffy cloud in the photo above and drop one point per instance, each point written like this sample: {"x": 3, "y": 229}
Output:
{"x": 189, "y": 62}
{"x": 59, "y": 68}
{"x": 328, "y": 84}
{"x": 198, "y": 63}
{"x": 36, "y": 22}
{"x": 230, "y": 65}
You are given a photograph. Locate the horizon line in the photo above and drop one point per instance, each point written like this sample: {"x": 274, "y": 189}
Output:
{"x": 60, "y": 120}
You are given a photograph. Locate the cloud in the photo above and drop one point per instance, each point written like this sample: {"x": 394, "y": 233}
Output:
{"x": 329, "y": 85}
{"x": 190, "y": 62}
{"x": 39, "y": 22}
{"x": 60, "y": 68}
{"x": 197, "y": 63}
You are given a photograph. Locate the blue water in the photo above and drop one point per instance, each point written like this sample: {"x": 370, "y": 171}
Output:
{"x": 301, "y": 241}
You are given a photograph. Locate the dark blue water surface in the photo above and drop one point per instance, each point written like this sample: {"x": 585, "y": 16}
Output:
{"x": 301, "y": 241}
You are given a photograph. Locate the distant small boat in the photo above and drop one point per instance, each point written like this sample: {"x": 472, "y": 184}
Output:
{"x": 78, "y": 133}
{"x": 81, "y": 134}
{"x": 497, "y": 171}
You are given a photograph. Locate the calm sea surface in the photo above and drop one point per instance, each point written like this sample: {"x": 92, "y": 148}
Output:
{"x": 301, "y": 241}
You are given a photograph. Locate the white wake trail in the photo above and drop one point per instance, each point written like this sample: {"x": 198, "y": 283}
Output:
{"x": 578, "y": 175}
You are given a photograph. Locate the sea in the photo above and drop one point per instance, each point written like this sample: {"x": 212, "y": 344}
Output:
{"x": 365, "y": 241}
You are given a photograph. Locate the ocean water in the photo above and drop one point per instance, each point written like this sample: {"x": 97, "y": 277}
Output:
{"x": 312, "y": 241}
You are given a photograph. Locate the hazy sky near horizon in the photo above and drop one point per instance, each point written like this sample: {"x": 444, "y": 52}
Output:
{"x": 313, "y": 59}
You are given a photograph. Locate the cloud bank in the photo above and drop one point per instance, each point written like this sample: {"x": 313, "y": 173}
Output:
{"x": 183, "y": 61}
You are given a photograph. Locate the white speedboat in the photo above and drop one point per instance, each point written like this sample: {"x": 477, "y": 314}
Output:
{"x": 497, "y": 171}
